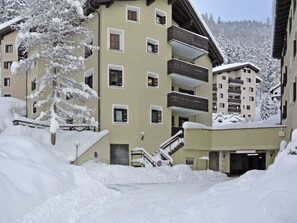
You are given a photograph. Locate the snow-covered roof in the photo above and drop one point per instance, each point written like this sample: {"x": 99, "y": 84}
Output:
{"x": 6, "y": 26}
{"x": 274, "y": 87}
{"x": 235, "y": 66}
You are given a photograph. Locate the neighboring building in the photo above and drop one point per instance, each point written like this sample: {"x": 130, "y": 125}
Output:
{"x": 275, "y": 92}
{"x": 285, "y": 48}
{"x": 12, "y": 86}
{"x": 234, "y": 89}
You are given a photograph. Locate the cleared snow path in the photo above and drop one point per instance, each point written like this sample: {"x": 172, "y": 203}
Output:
{"x": 170, "y": 202}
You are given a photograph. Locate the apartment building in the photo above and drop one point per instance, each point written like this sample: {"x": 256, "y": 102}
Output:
{"x": 285, "y": 49}
{"x": 11, "y": 85}
{"x": 234, "y": 89}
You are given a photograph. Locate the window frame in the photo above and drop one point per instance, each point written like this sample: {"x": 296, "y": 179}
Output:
{"x": 87, "y": 51}
{"x": 115, "y": 68}
{"x": 125, "y": 114}
{"x": 7, "y": 65}
{"x": 8, "y": 48}
{"x": 162, "y": 17}
{"x": 7, "y": 82}
{"x": 159, "y": 110}
{"x": 33, "y": 84}
{"x": 34, "y": 107}
{"x": 155, "y": 81}
{"x": 118, "y": 32}
{"x": 89, "y": 74}
{"x": 154, "y": 44}
{"x": 133, "y": 9}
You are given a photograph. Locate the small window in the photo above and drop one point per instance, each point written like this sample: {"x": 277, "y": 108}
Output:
{"x": 69, "y": 121}
{"x": 190, "y": 161}
{"x": 221, "y": 95}
{"x": 7, "y": 64}
{"x": 248, "y": 107}
{"x": 116, "y": 39}
{"x": 251, "y": 98}
{"x": 8, "y": 48}
{"x": 120, "y": 114}
{"x": 244, "y": 70}
{"x": 249, "y": 80}
{"x": 191, "y": 92}
{"x": 223, "y": 77}
{"x": 89, "y": 78}
{"x": 133, "y": 13}
{"x": 152, "y": 46}
{"x": 115, "y": 75}
{"x": 222, "y": 105}
{"x": 152, "y": 80}
{"x": 294, "y": 91}
{"x": 33, "y": 84}
{"x": 6, "y": 81}
{"x": 220, "y": 85}
{"x": 34, "y": 107}
{"x": 156, "y": 114}
{"x": 160, "y": 17}
{"x": 249, "y": 71}
{"x": 251, "y": 89}
{"x": 243, "y": 106}
{"x": 7, "y": 95}
{"x": 294, "y": 47}
{"x": 249, "y": 116}
{"x": 88, "y": 47}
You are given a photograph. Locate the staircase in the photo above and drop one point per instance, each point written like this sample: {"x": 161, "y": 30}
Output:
{"x": 162, "y": 156}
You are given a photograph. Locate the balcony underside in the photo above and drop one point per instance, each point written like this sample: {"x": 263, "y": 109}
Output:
{"x": 178, "y": 79}
{"x": 185, "y": 50}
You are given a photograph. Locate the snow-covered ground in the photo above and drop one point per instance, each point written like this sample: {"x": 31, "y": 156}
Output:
{"x": 37, "y": 185}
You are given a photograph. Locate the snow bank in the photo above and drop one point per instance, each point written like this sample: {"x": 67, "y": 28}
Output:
{"x": 263, "y": 196}
{"x": 115, "y": 174}
{"x": 8, "y": 107}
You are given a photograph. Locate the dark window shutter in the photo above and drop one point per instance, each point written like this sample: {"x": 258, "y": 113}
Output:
{"x": 120, "y": 78}
{"x": 294, "y": 91}
{"x": 155, "y": 82}
{"x": 125, "y": 115}
{"x": 155, "y": 49}
{"x": 285, "y": 77}
{"x": 163, "y": 20}
{"x": 159, "y": 116}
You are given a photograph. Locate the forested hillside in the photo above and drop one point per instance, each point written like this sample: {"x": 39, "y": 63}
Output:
{"x": 247, "y": 41}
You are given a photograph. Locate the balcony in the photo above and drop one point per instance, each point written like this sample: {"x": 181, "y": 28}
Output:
{"x": 186, "y": 104}
{"x": 235, "y": 82}
{"x": 233, "y": 91}
{"x": 186, "y": 74}
{"x": 186, "y": 43}
{"x": 234, "y": 110}
{"x": 234, "y": 101}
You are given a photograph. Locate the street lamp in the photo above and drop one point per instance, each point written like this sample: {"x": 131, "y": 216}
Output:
{"x": 76, "y": 143}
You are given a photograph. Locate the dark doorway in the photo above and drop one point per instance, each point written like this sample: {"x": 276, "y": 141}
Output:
{"x": 119, "y": 154}
{"x": 241, "y": 163}
{"x": 214, "y": 161}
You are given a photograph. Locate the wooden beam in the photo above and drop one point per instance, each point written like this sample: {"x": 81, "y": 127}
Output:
{"x": 171, "y": 1}
{"x": 149, "y": 2}
{"x": 187, "y": 24}
{"x": 109, "y": 4}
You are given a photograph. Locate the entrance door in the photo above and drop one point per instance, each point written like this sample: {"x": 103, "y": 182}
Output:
{"x": 119, "y": 154}
{"x": 214, "y": 161}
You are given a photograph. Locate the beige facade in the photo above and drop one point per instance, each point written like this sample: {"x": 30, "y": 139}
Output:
{"x": 234, "y": 89}
{"x": 11, "y": 85}
{"x": 284, "y": 48}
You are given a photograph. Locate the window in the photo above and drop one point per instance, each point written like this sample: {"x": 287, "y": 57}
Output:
{"x": 160, "y": 17}
{"x": 251, "y": 98}
{"x": 7, "y": 64}
{"x": 88, "y": 47}
{"x": 8, "y": 48}
{"x": 290, "y": 25}
{"x": 152, "y": 80}
{"x": 7, "y": 95}
{"x": 285, "y": 77}
{"x": 190, "y": 161}
{"x": 285, "y": 110}
{"x": 89, "y": 78}
{"x": 244, "y": 70}
{"x": 221, "y": 95}
{"x": 115, "y": 75}
{"x": 156, "y": 114}
{"x": 294, "y": 91}
{"x": 152, "y": 46}
{"x": 294, "y": 6}
{"x": 133, "y": 13}
{"x": 6, "y": 81}
{"x": 294, "y": 48}
{"x": 69, "y": 121}
{"x": 248, "y": 107}
{"x": 223, "y": 77}
{"x": 222, "y": 105}
{"x": 116, "y": 39}
{"x": 191, "y": 92}
{"x": 251, "y": 89}
{"x": 33, "y": 84}
{"x": 220, "y": 85}
{"x": 120, "y": 114}
{"x": 181, "y": 121}
{"x": 249, "y": 80}
{"x": 34, "y": 107}
{"x": 249, "y": 71}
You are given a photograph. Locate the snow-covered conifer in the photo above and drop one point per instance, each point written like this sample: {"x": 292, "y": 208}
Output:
{"x": 54, "y": 31}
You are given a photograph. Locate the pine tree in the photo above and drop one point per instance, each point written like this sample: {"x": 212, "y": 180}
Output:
{"x": 265, "y": 106}
{"x": 54, "y": 29}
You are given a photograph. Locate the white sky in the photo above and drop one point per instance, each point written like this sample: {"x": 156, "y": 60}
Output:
{"x": 231, "y": 10}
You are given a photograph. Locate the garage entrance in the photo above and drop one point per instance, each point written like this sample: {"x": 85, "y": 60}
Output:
{"x": 241, "y": 163}
{"x": 119, "y": 154}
